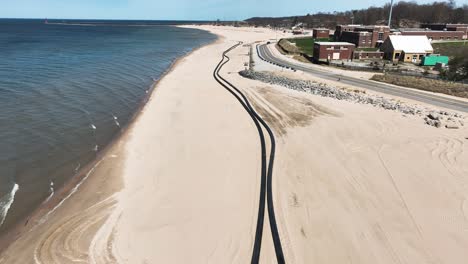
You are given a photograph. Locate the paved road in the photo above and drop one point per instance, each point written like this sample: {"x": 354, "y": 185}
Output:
{"x": 433, "y": 99}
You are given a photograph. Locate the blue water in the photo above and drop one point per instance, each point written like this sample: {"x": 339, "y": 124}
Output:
{"x": 66, "y": 90}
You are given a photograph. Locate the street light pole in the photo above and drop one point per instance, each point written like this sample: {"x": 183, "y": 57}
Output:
{"x": 390, "y": 15}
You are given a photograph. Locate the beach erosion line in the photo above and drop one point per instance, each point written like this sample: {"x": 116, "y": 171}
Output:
{"x": 5, "y": 203}
{"x": 73, "y": 191}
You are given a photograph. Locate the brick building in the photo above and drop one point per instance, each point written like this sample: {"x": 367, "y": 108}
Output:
{"x": 458, "y": 27}
{"x": 434, "y": 34}
{"x": 367, "y": 55}
{"x": 360, "y": 39}
{"x": 328, "y": 51}
{"x": 321, "y": 33}
{"x": 362, "y": 36}
{"x": 343, "y": 28}
{"x": 447, "y": 27}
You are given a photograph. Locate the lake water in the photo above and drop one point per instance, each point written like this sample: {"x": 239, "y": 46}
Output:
{"x": 66, "y": 90}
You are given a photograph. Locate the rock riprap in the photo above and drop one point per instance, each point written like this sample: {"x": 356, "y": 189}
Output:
{"x": 431, "y": 117}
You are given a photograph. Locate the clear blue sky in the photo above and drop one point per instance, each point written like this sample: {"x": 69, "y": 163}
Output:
{"x": 176, "y": 9}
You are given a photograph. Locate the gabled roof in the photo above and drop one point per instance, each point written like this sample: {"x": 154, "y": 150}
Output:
{"x": 411, "y": 44}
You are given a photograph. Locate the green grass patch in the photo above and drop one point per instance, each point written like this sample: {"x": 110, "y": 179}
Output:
{"x": 451, "y": 43}
{"x": 451, "y": 49}
{"x": 306, "y": 45}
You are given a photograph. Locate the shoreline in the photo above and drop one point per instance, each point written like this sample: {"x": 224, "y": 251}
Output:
{"x": 182, "y": 184}
{"x": 66, "y": 191}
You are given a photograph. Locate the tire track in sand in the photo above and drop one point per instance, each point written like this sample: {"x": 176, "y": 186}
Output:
{"x": 69, "y": 241}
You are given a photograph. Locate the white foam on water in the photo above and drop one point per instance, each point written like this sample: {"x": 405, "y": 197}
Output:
{"x": 93, "y": 126}
{"x": 5, "y": 203}
{"x": 51, "y": 191}
{"x": 78, "y": 167}
{"x": 115, "y": 120}
{"x": 73, "y": 191}
{"x": 96, "y": 148}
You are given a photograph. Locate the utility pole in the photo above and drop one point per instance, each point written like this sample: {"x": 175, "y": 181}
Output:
{"x": 390, "y": 15}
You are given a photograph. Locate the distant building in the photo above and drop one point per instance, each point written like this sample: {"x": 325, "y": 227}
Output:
{"x": 298, "y": 29}
{"x": 343, "y": 28}
{"x": 433, "y": 26}
{"x": 328, "y": 51}
{"x": 367, "y": 55}
{"x": 362, "y": 36}
{"x": 321, "y": 33}
{"x": 435, "y": 35}
{"x": 298, "y": 32}
{"x": 360, "y": 39}
{"x": 406, "y": 48}
{"x": 458, "y": 27}
{"x": 447, "y": 27}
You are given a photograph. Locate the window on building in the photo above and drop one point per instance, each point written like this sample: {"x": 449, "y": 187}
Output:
{"x": 397, "y": 55}
{"x": 380, "y": 36}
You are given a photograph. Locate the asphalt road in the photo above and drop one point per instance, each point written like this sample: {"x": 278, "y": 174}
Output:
{"x": 433, "y": 99}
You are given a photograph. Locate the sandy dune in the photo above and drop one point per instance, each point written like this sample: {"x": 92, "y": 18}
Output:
{"x": 353, "y": 183}
{"x": 372, "y": 188}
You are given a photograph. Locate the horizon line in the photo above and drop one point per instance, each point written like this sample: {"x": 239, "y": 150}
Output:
{"x": 118, "y": 19}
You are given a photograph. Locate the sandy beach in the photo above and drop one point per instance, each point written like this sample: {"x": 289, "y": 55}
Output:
{"x": 352, "y": 183}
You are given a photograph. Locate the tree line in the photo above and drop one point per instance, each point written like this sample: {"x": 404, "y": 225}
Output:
{"x": 405, "y": 14}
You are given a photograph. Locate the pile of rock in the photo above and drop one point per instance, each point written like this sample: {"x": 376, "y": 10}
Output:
{"x": 432, "y": 118}
{"x": 443, "y": 118}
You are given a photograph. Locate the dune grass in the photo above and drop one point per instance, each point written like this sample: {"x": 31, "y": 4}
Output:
{"x": 426, "y": 84}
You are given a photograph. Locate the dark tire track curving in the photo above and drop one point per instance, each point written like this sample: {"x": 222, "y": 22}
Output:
{"x": 266, "y": 183}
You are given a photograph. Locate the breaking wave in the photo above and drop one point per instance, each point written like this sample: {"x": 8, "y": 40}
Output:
{"x": 41, "y": 221}
{"x": 51, "y": 191}
{"x": 5, "y": 203}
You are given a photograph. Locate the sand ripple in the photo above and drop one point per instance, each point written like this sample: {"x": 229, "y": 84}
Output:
{"x": 70, "y": 241}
